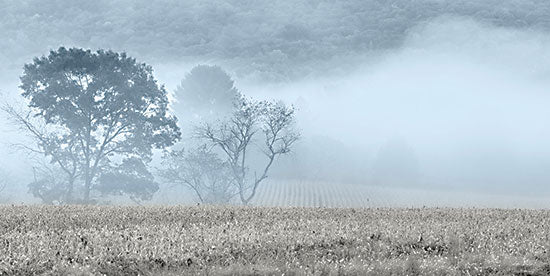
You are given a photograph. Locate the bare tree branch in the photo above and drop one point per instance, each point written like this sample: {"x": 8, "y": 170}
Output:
{"x": 235, "y": 136}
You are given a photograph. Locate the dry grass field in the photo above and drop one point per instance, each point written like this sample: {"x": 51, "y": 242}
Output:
{"x": 93, "y": 240}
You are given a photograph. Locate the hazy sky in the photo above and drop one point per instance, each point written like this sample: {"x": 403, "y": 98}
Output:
{"x": 470, "y": 99}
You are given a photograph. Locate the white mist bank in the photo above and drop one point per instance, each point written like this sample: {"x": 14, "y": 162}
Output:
{"x": 469, "y": 99}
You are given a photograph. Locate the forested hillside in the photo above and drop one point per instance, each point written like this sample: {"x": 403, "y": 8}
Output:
{"x": 273, "y": 40}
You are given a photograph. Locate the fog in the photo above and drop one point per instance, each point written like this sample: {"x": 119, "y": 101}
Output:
{"x": 455, "y": 115}
{"x": 466, "y": 99}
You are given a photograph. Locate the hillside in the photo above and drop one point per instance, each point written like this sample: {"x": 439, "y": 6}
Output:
{"x": 274, "y": 40}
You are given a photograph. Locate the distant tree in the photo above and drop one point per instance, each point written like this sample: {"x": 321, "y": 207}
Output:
{"x": 202, "y": 171}
{"x": 95, "y": 107}
{"x": 236, "y": 137}
{"x": 48, "y": 185}
{"x": 206, "y": 93}
{"x": 3, "y": 181}
{"x": 130, "y": 178}
{"x": 396, "y": 164}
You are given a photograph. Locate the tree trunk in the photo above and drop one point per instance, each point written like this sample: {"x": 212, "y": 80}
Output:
{"x": 87, "y": 183}
{"x": 87, "y": 191}
{"x": 69, "y": 195}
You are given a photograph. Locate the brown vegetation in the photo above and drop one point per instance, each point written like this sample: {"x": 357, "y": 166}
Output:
{"x": 92, "y": 240}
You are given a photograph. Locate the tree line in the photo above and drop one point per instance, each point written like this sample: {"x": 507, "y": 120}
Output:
{"x": 275, "y": 39}
{"x": 95, "y": 119}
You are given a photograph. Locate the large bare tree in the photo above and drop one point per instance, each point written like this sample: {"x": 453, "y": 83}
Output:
{"x": 264, "y": 125}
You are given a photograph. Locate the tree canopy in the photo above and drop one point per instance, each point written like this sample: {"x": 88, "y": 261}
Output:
{"x": 97, "y": 107}
{"x": 238, "y": 136}
{"x": 206, "y": 92}
{"x": 273, "y": 39}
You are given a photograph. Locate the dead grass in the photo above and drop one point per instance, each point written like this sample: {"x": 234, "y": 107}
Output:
{"x": 93, "y": 240}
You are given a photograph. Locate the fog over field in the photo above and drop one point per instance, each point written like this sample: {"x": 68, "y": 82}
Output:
{"x": 403, "y": 102}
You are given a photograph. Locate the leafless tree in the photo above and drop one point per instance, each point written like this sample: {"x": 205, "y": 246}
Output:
{"x": 237, "y": 136}
{"x": 202, "y": 171}
{"x": 48, "y": 183}
{"x": 48, "y": 142}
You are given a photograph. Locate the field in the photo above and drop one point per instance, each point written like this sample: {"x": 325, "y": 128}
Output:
{"x": 93, "y": 240}
{"x": 285, "y": 193}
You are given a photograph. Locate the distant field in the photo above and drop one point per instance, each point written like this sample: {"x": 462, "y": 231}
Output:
{"x": 79, "y": 240}
{"x": 330, "y": 194}
{"x": 277, "y": 193}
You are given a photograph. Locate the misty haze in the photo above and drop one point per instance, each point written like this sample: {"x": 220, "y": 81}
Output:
{"x": 408, "y": 111}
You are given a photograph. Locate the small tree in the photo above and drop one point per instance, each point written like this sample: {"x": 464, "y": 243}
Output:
{"x": 236, "y": 137}
{"x": 202, "y": 171}
{"x": 3, "y": 184}
{"x": 3, "y": 181}
{"x": 96, "y": 107}
{"x": 48, "y": 185}
{"x": 396, "y": 164}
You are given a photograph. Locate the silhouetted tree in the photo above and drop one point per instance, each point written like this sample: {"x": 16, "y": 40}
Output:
{"x": 95, "y": 107}
{"x": 48, "y": 185}
{"x": 396, "y": 164}
{"x": 206, "y": 93}
{"x": 3, "y": 181}
{"x": 237, "y": 135}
